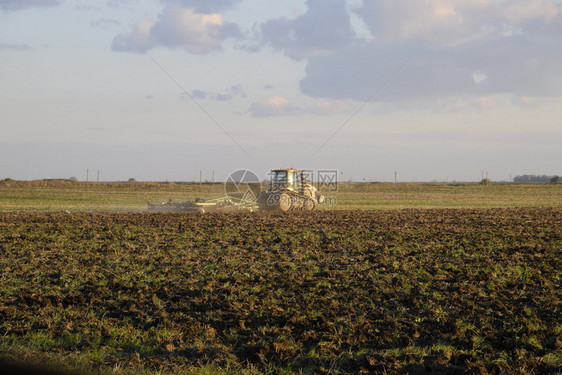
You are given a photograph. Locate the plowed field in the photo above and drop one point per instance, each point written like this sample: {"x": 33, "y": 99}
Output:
{"x": 442, "y": 290}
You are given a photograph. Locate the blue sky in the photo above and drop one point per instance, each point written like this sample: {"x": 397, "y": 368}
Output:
{"x": 456, "y": 87}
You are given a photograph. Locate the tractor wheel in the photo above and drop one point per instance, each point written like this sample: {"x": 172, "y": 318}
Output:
{"x": 298, "y": 203}
{"x": 285, "y": 202}
{"x": 309, "y": 204}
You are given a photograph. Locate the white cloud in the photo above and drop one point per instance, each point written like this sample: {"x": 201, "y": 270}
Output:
{"x": 274, "y": 106}
{"x": 479, "y": 77}
{"x": 22, "y": 4}
{"x": 197, "y": 33}
{"x": 461, "y": 48}
{"x": 328, "y": 107}
{"x": 519, "y": 11}
{"x": 138, "y": 40}
{"x": 441, "y": 21}
{"x": 324, "y": 27}
{"x": 518, "y": 65}
{"x": 454, "y": 22}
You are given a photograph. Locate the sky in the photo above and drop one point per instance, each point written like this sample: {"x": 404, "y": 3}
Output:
{"x": 432, "y": 90}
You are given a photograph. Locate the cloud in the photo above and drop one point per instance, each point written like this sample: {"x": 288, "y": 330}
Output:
{"x": 454, "y": 22}
{"x": 237, "y": 90}
{"x": 440, "y": 21}
{"x": 328, "y": 107}
{"x": 104, "y": 23}
{"x": 483, "y": 102}
{"x": 201, "y": 95}
{"x": 324, "y": 27}
{"x": 118, "y": 3}
{"x": 10, "y": 5}
{"x": 198, "y": 94}
{"x": 531, "y": 102}
{"x": 232, "y": 92}
{"x": 197, "y": 33}
{"x": 533, "y": 15}
{"x": 205, "y": 6}
{"x": 479, "y": 77}
{"x": 138, "y": 40}
{"x": 474, "y": 48}
{"x": 14, "y": 47}
{"x": 279, "y": 106}
{"x": 274, "y": 106}
{"x": 517, "y": 65}
{"x": 461, "y": 48}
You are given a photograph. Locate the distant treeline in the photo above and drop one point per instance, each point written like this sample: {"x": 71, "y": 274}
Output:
{"x": 536, "y": 178}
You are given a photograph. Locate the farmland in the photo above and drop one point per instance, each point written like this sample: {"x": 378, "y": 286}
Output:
{"x": 61, "y": 195}
{"x": 409, "y": 288}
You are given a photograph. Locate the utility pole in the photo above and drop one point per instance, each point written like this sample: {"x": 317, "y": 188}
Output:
{"x": 98, "y": 175}
{"x": 213, "y": 177}
{"x": 395, "y": 177}
{"x": 87, "y": 175}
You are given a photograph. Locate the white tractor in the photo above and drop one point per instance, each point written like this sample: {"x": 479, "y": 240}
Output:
{"x": 288, "y": 190}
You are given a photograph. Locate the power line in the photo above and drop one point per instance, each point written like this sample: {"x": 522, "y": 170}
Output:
{"x": 363, "y": 105}
{"x": 200, "y": 107}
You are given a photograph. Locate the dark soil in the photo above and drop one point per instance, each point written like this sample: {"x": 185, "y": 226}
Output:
{"x": 413, "y": 291}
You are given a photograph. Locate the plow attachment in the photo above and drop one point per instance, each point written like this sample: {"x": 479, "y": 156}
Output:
{"x": 222, "y": 204}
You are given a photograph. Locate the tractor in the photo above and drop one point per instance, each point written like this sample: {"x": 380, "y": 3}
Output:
{"x": 289, "y": 190}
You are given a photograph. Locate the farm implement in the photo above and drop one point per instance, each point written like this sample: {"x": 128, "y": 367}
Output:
{"x": 222, "y": 204}
{"x": 288, "y": 190}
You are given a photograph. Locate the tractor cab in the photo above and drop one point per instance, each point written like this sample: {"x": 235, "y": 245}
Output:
{"x": 286, "y": 179}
